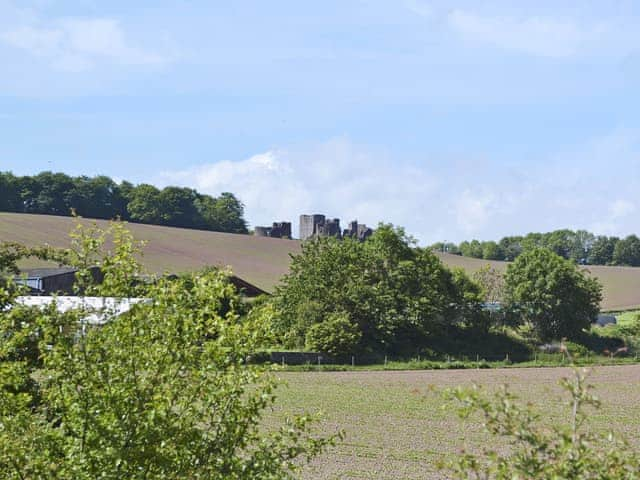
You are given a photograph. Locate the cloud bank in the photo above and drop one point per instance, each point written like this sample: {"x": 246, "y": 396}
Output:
{"x": 77, "y": 44}
{"x": 437, "y": 200}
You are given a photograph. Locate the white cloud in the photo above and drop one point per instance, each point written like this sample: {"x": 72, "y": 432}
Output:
{"x": 79, "y": 43}
{"x": 588, "y": 187}
{"x": 336, "y": 178}
{"x": 419, "y": 7}
{"x": 547, "y": 37}
{"x": 474, "y": 210}
{"x": 621, "y": 208}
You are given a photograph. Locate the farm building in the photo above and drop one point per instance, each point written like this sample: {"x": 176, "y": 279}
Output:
{"x": 47, "y": 281}
{"x": 99, "y": 309}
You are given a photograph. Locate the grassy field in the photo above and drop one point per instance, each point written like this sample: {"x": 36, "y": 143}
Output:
{"x": 261, "y": 261}
{"x": 396, "y": 426}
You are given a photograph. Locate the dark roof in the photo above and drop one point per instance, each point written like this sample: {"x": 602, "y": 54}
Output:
{"x": 46, "y": 272}
{"x": 245, "y": 287}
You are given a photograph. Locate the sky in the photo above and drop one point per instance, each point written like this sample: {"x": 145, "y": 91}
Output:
{"x": 455, "y": 120}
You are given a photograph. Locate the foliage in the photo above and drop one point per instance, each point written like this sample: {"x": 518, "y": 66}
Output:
{"x": 101, "y": 197}
{"x": 338, "y": 336}
{"x": 581, "y": 246}
{"x": 396, "y": 293}
{"x": 468, "y": 297}
{"x": 552, "y": 293}
{"x": 627, "y": 251}
{"x": 160, "y": 392}
{"x": 491, "y": 282}
{"x": 562, "y": 451}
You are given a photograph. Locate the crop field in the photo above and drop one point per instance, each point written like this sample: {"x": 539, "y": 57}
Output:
{"x": 261, "y": 261}
{"x": 397, "y": 428}
{"x": 621, "y": 285}
{"x": 258, "y": 260}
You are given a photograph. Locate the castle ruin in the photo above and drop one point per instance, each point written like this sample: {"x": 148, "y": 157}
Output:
{"x": 319, "y": 226}
{"x": 276, "y": 230}
{"x": 358, "y": 231}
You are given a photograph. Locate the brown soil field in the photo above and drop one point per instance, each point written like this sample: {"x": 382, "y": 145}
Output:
{"x": 397, "y": 427}
{"x": 261, "y": 261}
{"x": 621, "y": 285}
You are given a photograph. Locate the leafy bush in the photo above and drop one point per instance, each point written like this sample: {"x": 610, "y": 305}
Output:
{"x": 553, "y": 294}
{"x": 397, "y": 293}
{"x": 539, "y": 452}
{"x": 161, "y": 392}
{"x": 576, "y": 349}
{"x": 337, "y": 336}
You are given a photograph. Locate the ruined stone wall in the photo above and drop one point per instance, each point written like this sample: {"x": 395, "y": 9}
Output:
{"x": 358, "y": 231}
{"x": 309, "y": 225}
{"x": 262, "y": 231}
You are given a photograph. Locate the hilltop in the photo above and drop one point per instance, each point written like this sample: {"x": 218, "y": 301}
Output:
{"x": 258, "y": 260}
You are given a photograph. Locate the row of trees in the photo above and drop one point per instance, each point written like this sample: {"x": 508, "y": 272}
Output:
{"x": 580, "y": 246}
{"x": 101, "y": 197}
{"x": 386, "y": 295}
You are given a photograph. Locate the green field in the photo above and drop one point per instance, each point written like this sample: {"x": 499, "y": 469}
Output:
{"x": 261, "y": 261}
{"x": 396, "y": 426}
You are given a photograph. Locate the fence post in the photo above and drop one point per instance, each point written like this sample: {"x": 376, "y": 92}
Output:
{"x": 319, "y": 358}
{"x": 385, "y": 360}
{"x": 282, "y": 358}
{"x": 478, "y": 361}
{"x": 353, "y": 360}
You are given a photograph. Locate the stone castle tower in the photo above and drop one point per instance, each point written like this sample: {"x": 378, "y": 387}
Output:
{"x": 320, "y": 226}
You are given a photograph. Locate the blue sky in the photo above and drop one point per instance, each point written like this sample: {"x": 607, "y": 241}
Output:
{"x": 455, "y": 120}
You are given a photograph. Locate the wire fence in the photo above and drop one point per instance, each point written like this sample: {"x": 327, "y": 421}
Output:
{"x": 310, "y": 359}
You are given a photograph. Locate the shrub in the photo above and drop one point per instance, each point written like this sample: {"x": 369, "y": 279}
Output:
{"x": 538, "y": 452}
{"x": 161, "y": 392}
{"x": 552, "y": 293}
{"x": 337, "y": 336}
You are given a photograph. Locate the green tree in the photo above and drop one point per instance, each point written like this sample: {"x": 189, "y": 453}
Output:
{"x": 50, "y": 196}
{"x": 491, "y": 282}
{"x": 552, "y": 294}
{"x": 161, "y": 392}
{"x": 627, "y": 251}
{"x": 581, "y": 245}
{"x": 179, "y": 208}
{"x": 601, "y": 251}
{"x": 95, "y": 197}
{"x": 511, "y": 247}
{"x": 9, "y": 193}
{"x": 145, "y": 204}
{"x": 471, "y": 249}
{"x": 467, "y": 295}
{"x": 491, "y": 251}
{"x": 337, "y": 336}
{"x": 396, "y": 293}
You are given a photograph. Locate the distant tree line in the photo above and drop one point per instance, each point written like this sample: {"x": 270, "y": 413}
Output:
{"x": 580, "y": 246}
{"x": 101, "y": 197}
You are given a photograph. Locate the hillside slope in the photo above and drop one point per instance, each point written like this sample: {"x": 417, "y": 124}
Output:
{"x": 621, "y": 284}
{"x": 258, "y": 260}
